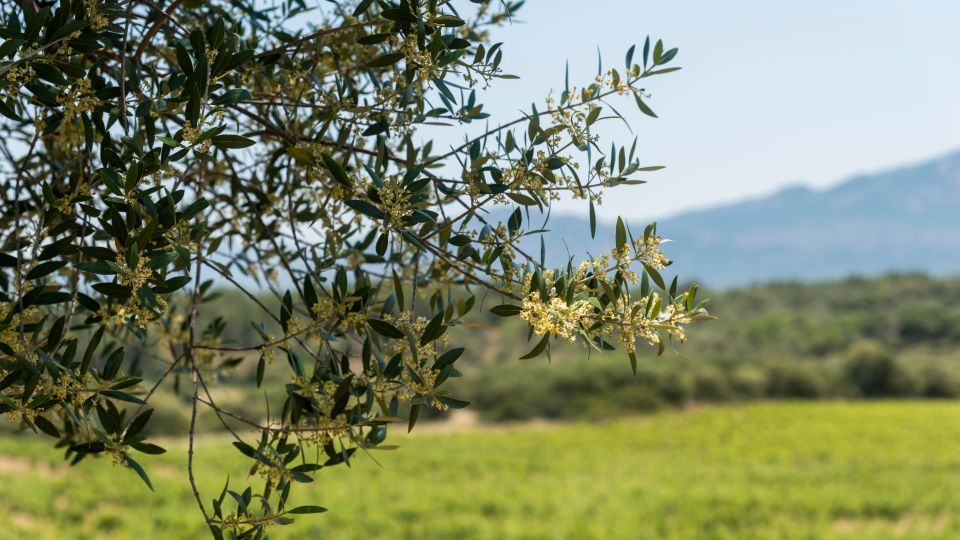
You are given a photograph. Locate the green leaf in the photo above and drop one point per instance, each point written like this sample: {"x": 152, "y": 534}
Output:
{"x": 174, "y": 284}
{"x": 668, "y": 56}
{"x": 193, "y": 105}
{"x": 663, "y": 71}
{"x": 161, "y": 260}
{"x": 655, "y": 276}
{"x": 245, "y": 448}
{"x": 538, "y": 349}
{"x": 45, "y": 268}
{"x": 506, "y": 310}
{"x": 414, "y": 413}
{"x": 374, "y": 39}
{"x": 149, "y": 448}
{"x": 643, "y": 107}
{"x": 365, "y": 208}
{"x": 107, "y": 268}
{"x": 9, "y": 113}
{"x": 386, "y": 60}
{"x": 233, "y": 96}
{"x": 232, "y": 141}
{"x": 448, "y": 358}
{"x": 621, "y": 233}
{"x": 46, "y": 426}
{"x": 307, "y": 510}
{"x": 112, "y": 365}
{"x": 453, "y": 403}
{"x": 183, "y": 59}
{"x": 593, "y": 115}
{"x": 139, "y": 423}
{"x": 377, "y": 128}
{"x": 593, "y": 221}
{"x": 113, "y": 290}
{"x": 139, "y": 470}
{"x": 239, "y": 59}
{"x": 261, "y": 368}
{"x": 362, "y": 7}
{"x": 286, "y": 310}
{"x": 448, "y": 20}
{"x": 385, "y": 329}
{"x": 646, "y": 51}
{"x": 399, "y": 15}
{"x": 398, "y": 290}
{"x": 309, "y": 293}
{"x": 520, "y": 198}
{"x": 435, "y": 328}
{"x": 122, "y": 396}
{"x": 91, "y": 348}
{"x": 337, "y": 170}
{"x": 193, "y": 209}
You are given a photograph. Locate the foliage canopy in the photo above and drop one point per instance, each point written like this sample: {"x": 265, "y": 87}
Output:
{"x": 160, "y": 146}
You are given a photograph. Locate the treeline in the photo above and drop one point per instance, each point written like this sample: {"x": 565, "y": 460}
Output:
{"x": 891, "y": 336}
{"x": 802, "y": 320}
{"x": 819, "y": 319}
{"x": 602, "y": 387}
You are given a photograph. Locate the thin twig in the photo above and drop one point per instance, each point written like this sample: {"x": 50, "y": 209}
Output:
{"x": 16, "y": 233}
{"x": 196, "y": 380}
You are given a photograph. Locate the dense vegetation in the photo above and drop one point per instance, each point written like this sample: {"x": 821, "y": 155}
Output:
{"x": 810, "y": 470}
{"x": 334, "y": 155}
{"x": 891, "y": 336}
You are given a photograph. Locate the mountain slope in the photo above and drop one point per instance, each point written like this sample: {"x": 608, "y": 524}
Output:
{"x": 905, "y": 219}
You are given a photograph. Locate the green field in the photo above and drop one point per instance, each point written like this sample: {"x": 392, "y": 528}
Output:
{"x": 795, "y": 470}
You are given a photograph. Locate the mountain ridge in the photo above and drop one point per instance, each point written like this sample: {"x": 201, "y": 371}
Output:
{"x": 903, "y": 219}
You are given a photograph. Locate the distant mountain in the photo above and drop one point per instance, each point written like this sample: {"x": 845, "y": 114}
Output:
{"x": 905, "y": 219}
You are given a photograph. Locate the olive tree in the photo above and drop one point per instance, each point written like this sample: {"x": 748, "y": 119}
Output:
{"x": 331, "y": 159}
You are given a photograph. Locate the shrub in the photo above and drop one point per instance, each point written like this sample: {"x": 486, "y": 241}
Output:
{"x": 749, "y": 382}
{"x": 939, "y": 382}
{"x": 711, "y": 385}
{"x": 875, "y": 373}
{"x": 798, "y": 380}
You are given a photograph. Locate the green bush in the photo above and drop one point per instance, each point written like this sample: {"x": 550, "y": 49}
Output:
{"x": 749, "y": 382}
{"x": 938, "y": 382}
{"x": 796, "y": 381}
{"x": 711, "y": 385}
{"x": 874, "y": 372}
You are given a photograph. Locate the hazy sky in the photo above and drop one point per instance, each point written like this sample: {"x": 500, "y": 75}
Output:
{"x": 771, "y": 94}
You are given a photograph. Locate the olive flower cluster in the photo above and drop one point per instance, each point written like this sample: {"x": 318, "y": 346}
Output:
{"x": 555, "y": 316}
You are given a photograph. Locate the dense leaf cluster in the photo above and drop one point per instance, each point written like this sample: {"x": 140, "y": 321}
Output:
{"x": 157, "y": 147}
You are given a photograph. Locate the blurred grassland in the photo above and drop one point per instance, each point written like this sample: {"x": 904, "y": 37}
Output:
{"x": 776, "y": 470}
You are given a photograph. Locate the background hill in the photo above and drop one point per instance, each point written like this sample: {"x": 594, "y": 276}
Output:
{"x": 904, "y": 219}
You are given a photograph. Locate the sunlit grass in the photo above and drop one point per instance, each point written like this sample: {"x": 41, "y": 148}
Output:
{"x": 810, "y": 470}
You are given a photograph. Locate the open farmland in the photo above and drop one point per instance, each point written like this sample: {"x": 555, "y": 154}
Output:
{"x": 788, "y": 470}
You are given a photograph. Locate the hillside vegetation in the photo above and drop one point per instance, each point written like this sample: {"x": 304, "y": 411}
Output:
{"x": 895, "y": 336}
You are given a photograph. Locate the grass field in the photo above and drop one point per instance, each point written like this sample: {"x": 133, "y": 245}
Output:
{"x": 795, "y": 470}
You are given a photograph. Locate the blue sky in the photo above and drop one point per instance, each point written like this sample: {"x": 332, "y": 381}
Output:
{"x": 771, "y": 94}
